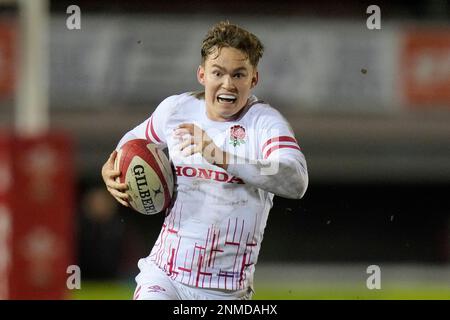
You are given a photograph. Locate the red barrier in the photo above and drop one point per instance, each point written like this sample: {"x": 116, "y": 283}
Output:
{"x": 41, "y": 203}
{"x": 5, "y": 213}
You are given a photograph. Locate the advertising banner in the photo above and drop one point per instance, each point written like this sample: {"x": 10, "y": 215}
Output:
{"x": 136, "y": 62}
{"x": 426, "y": 68}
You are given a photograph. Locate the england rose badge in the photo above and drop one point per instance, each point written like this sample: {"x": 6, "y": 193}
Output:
{"x": 237, "y": 135}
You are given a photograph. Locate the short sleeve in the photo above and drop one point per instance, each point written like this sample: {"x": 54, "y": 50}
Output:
{"x": 153, "y": 129}
{"x": 155, "y": 125}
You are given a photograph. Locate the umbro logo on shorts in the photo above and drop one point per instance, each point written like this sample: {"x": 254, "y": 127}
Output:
{"x": 155, "y": 288}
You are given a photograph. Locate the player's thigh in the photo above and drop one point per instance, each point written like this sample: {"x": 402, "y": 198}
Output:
{"x": 153, "y": 284}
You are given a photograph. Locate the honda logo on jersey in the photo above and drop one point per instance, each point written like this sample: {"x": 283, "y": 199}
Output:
{"x": 208, "y": 174}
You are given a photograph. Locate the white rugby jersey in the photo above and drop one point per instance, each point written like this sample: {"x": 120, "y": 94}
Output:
{"x": 213, "y": 231}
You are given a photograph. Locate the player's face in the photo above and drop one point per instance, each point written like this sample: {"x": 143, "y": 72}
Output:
{"x": 228, "y": 77}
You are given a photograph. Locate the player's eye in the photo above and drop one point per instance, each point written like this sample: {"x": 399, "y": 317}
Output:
{"x": 217, "y": 73}
{"x": 239, "y": 75}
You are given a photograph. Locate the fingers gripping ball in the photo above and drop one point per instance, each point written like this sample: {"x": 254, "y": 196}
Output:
{"x": 146, "y": 170}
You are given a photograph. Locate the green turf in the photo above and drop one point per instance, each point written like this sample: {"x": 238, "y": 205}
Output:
{"x": 124, "y": 291}
{"x": 103, "y": 291}
{"x": 351, "y": 292}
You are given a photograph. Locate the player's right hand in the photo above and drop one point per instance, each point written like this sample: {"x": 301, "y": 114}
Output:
{"x": 116, "y": 189}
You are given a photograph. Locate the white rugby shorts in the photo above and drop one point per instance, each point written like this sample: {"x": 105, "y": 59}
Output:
{"x": 154, "y": 284}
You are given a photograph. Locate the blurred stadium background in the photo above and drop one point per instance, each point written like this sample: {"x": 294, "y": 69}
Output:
{"x": 371, "y": 109}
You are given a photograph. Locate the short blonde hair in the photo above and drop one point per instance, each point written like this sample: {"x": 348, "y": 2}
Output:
{"x": 225, "y": 34}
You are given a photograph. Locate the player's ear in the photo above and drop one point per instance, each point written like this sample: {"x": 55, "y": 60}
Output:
{"x": 255, "y": 79}
{"x": 201, "y": 75}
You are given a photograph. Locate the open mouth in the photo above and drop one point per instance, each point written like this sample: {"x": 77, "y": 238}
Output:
{"x": 226, "y": 98}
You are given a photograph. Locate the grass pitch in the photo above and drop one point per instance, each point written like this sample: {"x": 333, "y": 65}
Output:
{"x": 317, "y": 282}
{"x": 124, "y": 291}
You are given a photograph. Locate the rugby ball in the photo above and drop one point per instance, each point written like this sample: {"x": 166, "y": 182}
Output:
{"x": 146, "y": 170}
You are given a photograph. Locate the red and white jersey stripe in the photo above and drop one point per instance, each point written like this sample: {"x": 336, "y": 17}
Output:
{"x": 150, "y": 132}
{"x": 277, "y": 143}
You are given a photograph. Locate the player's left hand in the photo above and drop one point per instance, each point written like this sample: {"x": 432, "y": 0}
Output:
{"x": 196, "y": 140}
